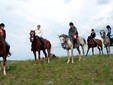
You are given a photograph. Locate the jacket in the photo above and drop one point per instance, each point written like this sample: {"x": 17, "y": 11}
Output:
{"x": 93, "y": 35}
{"x": 73, "y": 31}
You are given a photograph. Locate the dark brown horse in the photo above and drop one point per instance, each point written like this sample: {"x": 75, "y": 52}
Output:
{"x": 37, "y": 46}
{"x": 91, "y": 44}
{"x": 3, "y": 53}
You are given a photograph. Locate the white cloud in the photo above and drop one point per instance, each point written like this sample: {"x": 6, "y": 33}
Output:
{"x": 20, "y": 16}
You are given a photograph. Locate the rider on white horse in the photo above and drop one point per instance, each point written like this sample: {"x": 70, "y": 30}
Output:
{"x": 73, "y": 34}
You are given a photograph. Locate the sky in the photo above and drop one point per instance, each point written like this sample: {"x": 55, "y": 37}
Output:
{"x": 21, "y": 16}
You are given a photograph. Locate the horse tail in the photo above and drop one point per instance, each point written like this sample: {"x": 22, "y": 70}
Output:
{"x": 84, "y": 41}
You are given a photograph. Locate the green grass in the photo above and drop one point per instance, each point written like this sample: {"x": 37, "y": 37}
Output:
{"x": 95, "y": 70}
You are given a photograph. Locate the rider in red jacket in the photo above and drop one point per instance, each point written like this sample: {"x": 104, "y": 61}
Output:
{"x": 2, "y": 25}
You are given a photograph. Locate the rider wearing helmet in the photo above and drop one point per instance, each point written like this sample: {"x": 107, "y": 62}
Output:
{"x": 93, "y": 35}
{"x": 73, "y": 34}
{"x": 109, "y": 30}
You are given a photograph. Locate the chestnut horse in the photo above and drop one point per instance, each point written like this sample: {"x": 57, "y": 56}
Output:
{"x": 91, "y": 44}
{"x": 37, "y": 46}
{"x": 3, "y": 53}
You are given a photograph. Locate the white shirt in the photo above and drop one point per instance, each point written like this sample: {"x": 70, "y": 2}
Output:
{"x": 38, "y": 32}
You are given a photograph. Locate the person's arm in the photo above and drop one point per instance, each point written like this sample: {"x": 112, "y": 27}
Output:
{"x": 70, "y": 32}
{"x": 95, "y": 35}
{"x": 4, "y": 34}
{"x": 76, "y": 31}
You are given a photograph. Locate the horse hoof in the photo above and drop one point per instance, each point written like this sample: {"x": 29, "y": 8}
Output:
{"x": 68, "y": 61}
{"x": 84, "y": 59}
{"x": 79, "y": 59}
{"x": 4, "y": 73}
{"x": 72, "y": 62}
{"x": 36, "y": 63}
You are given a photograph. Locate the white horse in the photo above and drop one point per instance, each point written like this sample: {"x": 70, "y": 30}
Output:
{"x": 67, "y": 44}
{"x": 106, "y": 41}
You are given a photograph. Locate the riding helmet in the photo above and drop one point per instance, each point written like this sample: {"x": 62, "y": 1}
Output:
{"x": 2, "y": 24}
{"x": 71, "y": 23}
{"x": 92, "y": 29}
{"x": 108, "y": 26}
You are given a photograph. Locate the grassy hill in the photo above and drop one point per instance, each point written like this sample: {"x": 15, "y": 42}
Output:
{"x": 96, "y": 70}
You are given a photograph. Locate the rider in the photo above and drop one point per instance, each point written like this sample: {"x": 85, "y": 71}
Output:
{"x": 109, "y": 30}
{"x": 73, "y": 34}
{"x": 38, "y": 32}
{"x": 2, "y": 25}
{"x": 93, "y": 35}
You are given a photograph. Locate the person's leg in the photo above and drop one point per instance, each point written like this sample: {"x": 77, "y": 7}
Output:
{"x": 94, "y": 41}
{"x": 42, "y": 41}
{"x": 7, "y": 47}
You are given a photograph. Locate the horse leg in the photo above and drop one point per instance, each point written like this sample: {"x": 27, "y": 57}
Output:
{"x": 87, "y": 51}
{"x": 102, "y": 50}
{"x": 45, "y": 53}
{"x": 92, "y": 51}
{"x": 39, "y": 55}
{"x": 107, "y": 51}
{"x": 4, "y": 65}
{"x": 99, "y": 50}
{"x": 83, "y": 51}
{"x": 0, "y": 66}
{"x": 34, "y": 52}
{"x": 72, "y": 55}
{"x": 68, "y": 56}
{"x": 49, "y": 52}
{"x": 79, "y": 53}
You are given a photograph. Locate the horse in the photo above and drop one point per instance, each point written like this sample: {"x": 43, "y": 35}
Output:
{"x": 91, "y": 44}
{"x": 3, "y": 53}
{"x": 67, "y": 44}
{"x": 37, "y": 46}
{"x": 106, "y": 41}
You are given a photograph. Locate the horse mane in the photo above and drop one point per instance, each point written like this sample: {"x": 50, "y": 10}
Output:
{"x": 64, "y": 35}
{"x": 88, "y": 39}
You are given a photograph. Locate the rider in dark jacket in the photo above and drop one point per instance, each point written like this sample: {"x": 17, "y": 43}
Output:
{"x": 93, "y": 35}
{"x": 73, "y": 33}
{"x": 109, "y": 30}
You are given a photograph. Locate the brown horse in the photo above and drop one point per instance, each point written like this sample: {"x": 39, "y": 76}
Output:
{"x": 3, "y": 53}
{"x": 91, "y": 44}
{"x": 37, "y": 46}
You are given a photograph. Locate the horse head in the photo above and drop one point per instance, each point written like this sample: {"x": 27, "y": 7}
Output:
{"x": 102, "y": 34}
{"x": 64, "y": 41}
{"x": 63, "y": 38}
{"x": 90, "y": 40}
{"x": 32, "y": 35}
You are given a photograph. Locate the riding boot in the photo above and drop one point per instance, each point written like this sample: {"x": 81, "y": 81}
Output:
{"x": 74, "y": 43}
{"x": 95, "y": 43}
{"x": 42, "y": 42}
{"x": 8, "y": 48}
